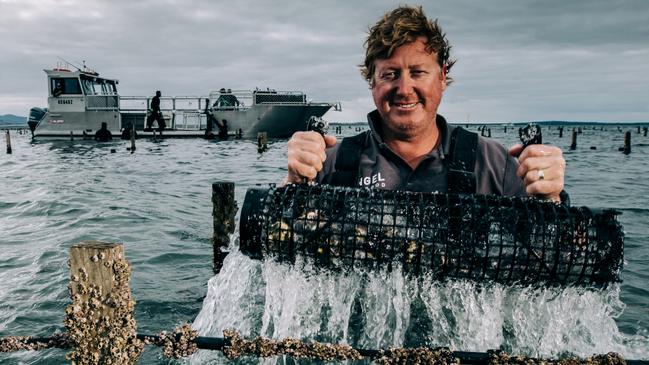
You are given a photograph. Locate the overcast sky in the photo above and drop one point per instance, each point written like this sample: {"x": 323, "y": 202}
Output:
{"x": 517, "y": 60}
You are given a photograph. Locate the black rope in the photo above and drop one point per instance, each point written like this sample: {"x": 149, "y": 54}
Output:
{"x": 219, "y": 343}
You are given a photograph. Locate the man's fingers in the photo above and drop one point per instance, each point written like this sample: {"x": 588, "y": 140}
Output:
{"x": 547, "y": 189}
{"x": 306, "y": 155}
{"x": 329, "y": 140}
{"x": 515, "y": 150}
{"x": 541, "y": 163}
{"x": 539, "y": 150}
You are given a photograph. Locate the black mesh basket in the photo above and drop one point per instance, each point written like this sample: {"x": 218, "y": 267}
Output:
{"x": 480, "y": 237}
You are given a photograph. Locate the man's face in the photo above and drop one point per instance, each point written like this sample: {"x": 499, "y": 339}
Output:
{"x": 407, "y": 89}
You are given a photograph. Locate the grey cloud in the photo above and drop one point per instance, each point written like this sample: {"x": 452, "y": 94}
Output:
{"x": 516, "y": 59}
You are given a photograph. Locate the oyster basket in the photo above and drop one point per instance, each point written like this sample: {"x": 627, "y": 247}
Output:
{"x": 479, "y": 237}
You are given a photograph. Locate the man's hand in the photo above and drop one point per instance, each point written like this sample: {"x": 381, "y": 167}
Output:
{"x": 306, "y": 154}
{"x": 542, "y": 169}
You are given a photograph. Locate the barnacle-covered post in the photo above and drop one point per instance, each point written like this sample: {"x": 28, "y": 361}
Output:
{"x": 627, "y": 143}
{"x": 573, "y": 145}
{"x": 133, "y": 139}
{"x": 8, "y": 137}
{"x": 223, "y": 212}
{"x": 100, "y": 320}
{"x": 262, "y": 141}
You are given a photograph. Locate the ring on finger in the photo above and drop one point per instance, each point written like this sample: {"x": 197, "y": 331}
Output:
{"x": 541, "y": 175}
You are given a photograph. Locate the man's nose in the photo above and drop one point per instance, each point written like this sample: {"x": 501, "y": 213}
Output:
{"x": 405, "y": 84}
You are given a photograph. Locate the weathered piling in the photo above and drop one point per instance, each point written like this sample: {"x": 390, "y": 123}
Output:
{"x": 627, "y": 142}
{"x": 573, "y": 145}
{"x": 223, "y": 212}
{"x": 71, "y": 136}
{"x": 133, "y": 139}
{"x": 8, "y": 138}
{"x": 561, "y": 132}
{"x": 262, "y": 141}
{"x": 505, "y": 129}
{"x": 639, "y": 130}
{"x": 645, "y": 131}
{"x": 489, "y": 132}
{"x": 100, "y": 320}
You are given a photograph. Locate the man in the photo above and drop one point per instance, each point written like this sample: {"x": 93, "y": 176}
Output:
{"x": 103, "y": 134}
{"x": 156, "y": 113}
{"x": 409, "y": 146}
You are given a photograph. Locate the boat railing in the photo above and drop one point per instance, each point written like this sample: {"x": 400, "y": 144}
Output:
{"x": 182, "y": 112}
{"x": 102, "y": 102}
{"x": 244, "y": 99}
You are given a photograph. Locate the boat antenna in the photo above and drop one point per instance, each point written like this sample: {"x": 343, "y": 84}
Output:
{"x": 71, "y": 64}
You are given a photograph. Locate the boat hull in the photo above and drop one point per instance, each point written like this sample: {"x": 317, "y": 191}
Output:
{"x": 278, "y": 121}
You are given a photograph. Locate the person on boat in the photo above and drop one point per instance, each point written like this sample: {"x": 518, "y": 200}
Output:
{"x": 103, "y": 134}
{"x": 58, "y": 88}
{"x": 156, "y": 113}
{"x": 211, "y": 121}
{"x": 411, "y": 147}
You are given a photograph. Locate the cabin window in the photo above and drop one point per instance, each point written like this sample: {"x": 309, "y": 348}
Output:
{"x": 65, "y": 85}
{"x": 97, "y": 86}
{"x": 111, "y": 87}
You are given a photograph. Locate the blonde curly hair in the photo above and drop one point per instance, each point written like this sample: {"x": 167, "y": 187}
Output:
{"x": 398, "y": 27}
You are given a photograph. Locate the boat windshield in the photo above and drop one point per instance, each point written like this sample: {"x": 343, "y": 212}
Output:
{"x": 97, "y": 86}
{"x": 64, "y": 85}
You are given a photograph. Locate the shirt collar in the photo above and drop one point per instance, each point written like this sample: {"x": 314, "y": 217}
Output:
{"x": 374, "y": 121}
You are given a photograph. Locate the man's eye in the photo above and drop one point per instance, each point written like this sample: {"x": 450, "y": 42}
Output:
{"x": 389, "y": 75}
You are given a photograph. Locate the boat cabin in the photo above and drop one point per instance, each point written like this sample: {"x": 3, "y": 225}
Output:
{"x": 80, "y": 90}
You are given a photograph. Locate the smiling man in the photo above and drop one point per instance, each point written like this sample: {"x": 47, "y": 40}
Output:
{"x": 409, "y": 146}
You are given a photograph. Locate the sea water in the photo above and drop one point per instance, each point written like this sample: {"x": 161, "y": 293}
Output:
{"x": 157, "y": 202}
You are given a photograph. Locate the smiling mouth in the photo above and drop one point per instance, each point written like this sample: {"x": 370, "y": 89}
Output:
{"x": 405, "y": 105}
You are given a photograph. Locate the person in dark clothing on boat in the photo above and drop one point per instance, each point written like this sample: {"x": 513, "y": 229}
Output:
{"x": 156, "y": 113}
{"x": 103, "y": 134}
{"x": 409, "y": 146}
{"x": 211, "y": 121}
{"x": 58, "y": 88}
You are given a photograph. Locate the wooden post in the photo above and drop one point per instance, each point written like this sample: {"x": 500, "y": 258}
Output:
{"x": 489, "y": 132}
{"x": 223, "y": 212}
{"x": 100, "y": 319}
{"x": 505, "y": 129}
{"x": 645, "y": 131}
{"x": 262, "y": 141}
{"x": 561, "y": 132}
{"x": 8, "y": 138}
{"x": 132, "y": 138}
{"x": 638, "y": 129}
{"x": 627, "y": 142}
{"x": 573, "y": 146}
{"x": 71, "y": 136}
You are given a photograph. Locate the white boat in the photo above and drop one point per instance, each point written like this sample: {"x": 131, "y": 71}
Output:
{"x": 79, "y": 101}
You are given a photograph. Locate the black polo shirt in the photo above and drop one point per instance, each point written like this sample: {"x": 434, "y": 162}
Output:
{"x": 382, "y": 168}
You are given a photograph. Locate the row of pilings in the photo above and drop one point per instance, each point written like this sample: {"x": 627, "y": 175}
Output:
{"x": 626, "y": 149}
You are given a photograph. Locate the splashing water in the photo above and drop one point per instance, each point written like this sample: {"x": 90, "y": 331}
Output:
{"x": 380, "y": 309}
